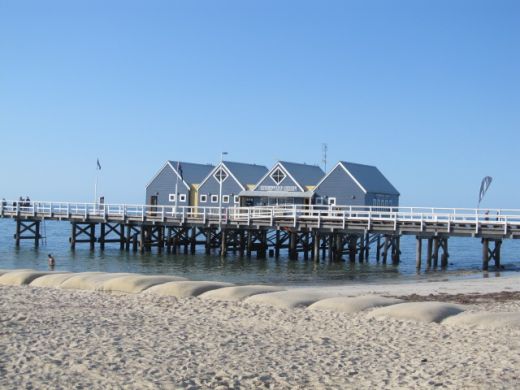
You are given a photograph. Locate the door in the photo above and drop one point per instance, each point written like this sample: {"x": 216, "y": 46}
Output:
{"x": 153, "y": 203}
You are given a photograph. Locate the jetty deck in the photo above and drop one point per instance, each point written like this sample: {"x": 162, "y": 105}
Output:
{"x": 336, "y": 230}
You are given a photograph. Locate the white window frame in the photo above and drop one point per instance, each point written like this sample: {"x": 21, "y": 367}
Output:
{"x": 214, "y": 198}
{"x": 182, "y": 197}
{"x": 319, "y": 200}
{"x": 215, "y": 175}
{"x": 171, "y": 197}
{"x": 236, "y": 199}
{"x": 282, "y": 172}
{"x": 331, "y": 201}
{"x": 203, "y": 198}
{"x": 225, "y": 198}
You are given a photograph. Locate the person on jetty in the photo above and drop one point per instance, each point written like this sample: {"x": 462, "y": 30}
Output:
{"x": 51, "y": 261}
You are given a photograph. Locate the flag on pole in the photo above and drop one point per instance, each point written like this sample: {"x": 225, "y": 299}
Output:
{"x": 98, "y": 166}
{"x": 486, "y": 182}
{"x": 179, "y": 170}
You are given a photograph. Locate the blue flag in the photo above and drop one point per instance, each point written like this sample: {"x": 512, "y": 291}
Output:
{"x": 486, "y": 182}
{"x": 179, "y": 170}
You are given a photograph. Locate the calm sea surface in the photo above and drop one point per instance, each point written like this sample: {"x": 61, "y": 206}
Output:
{"x": 464, "y": 262}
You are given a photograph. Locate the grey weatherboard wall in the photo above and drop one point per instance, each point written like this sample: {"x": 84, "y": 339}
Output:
{"x": 240, "y": 175}
{"x": 211, "y": 187}
{"x": 163, "y": 185}
{"x": 340, "y": 185}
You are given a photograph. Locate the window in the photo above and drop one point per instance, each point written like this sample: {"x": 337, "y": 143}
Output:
{"x": 236, "y": 199}
{"x": 214, "y": 198}
{"x": 203, "y": 198}
{"x": 220, "y": 175}
{"x": 277, "y": 176}
{"x": 332, "y": 201}
{"x": 225, "y": 198}
{"x": 319, "y": 200}
{"x": 171, "y": 197}
{"x": 182, "y": 197}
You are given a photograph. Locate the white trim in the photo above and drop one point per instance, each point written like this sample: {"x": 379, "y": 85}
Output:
{"x": 177, "y": 173}
{"x": 281, "y": 171}
{"x": 278, "y": 164}
{"x": 353, "y": 178}
{"x": 171, "y": 197}
{"x": 236, "y": 199}
{"x": 182, "y": 197}
{"x": 224, "y": 197}
{"x": 157, "y": 174}
{"x": 331, "y": 201}
{"x": 223, "y": 171}
{"x": 205, "y": 198}
{"x": 214, "y": 197}
{"x": 227, "y": 170}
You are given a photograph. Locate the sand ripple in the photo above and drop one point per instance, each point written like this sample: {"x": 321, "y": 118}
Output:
{"x": 51, "y": 338}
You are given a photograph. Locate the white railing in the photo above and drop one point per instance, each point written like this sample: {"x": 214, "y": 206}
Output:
{"x": 294, "y": 213}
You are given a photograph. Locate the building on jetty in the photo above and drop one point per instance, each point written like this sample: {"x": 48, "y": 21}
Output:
{"x": 230, "y": 179}
{"x": 357, "y": 185}
{"x": 286, "y": 183}
{"x": 184, "y": 176}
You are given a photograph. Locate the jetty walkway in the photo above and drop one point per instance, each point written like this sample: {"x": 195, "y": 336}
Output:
{"x": 333, "y": 231}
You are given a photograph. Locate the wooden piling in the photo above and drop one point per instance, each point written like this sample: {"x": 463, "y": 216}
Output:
{"x": 122, "y": 237}
{"x": 362, "y": 248}
{"x": 485, "y": 254}
{"x": 102, "y": 236}
{"x": 498, "y": 245}
{"x": 429, "y": 249}
{"x": 249, "y": 243}
{"x": 92, "y": 236}
{"x": 418, "y": 252}
{"x": 207, "y": 246}
{"x": 385, "y": 249}
{"x": 445, "y": 254}
{"x": 316, "y": 249}
{"x": 37, "y": 234}
{"x": 436, "y": 252}
{"x": 293, "y": 240}
{"x": 193, "y": 240}
{"x": 223, "y": 243}
{"x": 242, "y": 243}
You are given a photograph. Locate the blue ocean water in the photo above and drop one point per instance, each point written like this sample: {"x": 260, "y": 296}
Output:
{"x": 464, "y": 262}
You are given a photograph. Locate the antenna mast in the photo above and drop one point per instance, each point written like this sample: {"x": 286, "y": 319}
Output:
{"x": 324, "y": 149}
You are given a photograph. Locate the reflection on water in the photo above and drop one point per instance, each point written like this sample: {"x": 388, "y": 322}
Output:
{"x": 464, "y": 262}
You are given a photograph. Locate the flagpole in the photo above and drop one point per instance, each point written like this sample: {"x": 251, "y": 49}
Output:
{"x": 95, "y": 187}
{"x": 176, "y": 188}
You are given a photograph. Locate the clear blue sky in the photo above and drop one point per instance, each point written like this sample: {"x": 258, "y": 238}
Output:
{"x": 429, "y": 91}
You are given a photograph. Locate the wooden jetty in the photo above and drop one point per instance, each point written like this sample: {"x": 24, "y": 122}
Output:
{"x": 317, "y": 232}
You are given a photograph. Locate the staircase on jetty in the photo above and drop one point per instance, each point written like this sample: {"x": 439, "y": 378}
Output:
{"x": 314, "y": 231}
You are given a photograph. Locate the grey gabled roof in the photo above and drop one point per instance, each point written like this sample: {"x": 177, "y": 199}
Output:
{"x": 192, "y": 173}
{"x": 370, "y": 178}
{"x": 246, "y": 173}
{"x": 305, "y": 175}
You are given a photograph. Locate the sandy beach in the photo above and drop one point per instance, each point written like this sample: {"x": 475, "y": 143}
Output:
{"x": 55, "y": 338}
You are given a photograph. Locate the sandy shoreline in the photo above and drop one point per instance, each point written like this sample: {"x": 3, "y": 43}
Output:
{"x": 52, "y": 338}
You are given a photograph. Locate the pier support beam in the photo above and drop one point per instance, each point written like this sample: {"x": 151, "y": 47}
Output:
{"x": 489, "y": 253}
{"x": 27, "y": 230}
{"x": 83, "y": 232}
